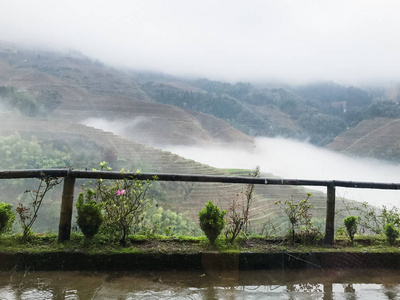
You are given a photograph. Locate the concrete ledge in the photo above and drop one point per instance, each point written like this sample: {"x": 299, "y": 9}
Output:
{"x": 68, "y": 261}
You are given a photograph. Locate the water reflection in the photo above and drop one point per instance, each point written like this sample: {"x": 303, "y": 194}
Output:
{"x": 299, "y": 284}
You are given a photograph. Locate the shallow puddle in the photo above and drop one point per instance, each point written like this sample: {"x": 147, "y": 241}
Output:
{"x": 295, "y": 284}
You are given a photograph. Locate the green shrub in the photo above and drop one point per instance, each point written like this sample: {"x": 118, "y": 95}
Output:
{"x": 300, "y": 218}
{"x": 351, "y": 226}
{"x": 212, "y": 221}
{"x": 89, "y": 217}
{"x": 7, "y": 217}
{"x": 160, "y": 221}
{"x": 124, "y": 203}
{"x": 340, "y": 231}
{"x": 391, "y": 233}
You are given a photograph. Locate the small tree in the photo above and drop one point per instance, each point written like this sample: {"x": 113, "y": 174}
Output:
{"x": 249, "y": 199}
{"x": 26, "y": 214}
{"x": 89, "y": 216}
{"x": 372, "y": 219}
{"x": 298, "y": 214}
{"x": 7, "y": 217}
{"x": 351, "y": 226}
{"x": 238, "y": 213}
{"x": 235, "y": 219}
{"x": 212, "y": 221}
{"x": 391, "y": 233}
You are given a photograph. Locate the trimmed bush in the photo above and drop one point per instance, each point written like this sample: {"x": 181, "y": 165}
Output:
{"x": 351, "y": 226}
{"x": 7, "y": 217}
{"x": 89, "y": 217}
{"x": 212, "y": 221}
{"x": 391, "y": 233}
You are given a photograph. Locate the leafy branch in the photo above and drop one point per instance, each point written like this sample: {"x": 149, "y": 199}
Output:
{"x": 238, "y": 211}
{"x": 28, "y": 215}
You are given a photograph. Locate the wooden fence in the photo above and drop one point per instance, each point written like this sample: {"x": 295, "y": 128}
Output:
{"x": 70, "y": 176}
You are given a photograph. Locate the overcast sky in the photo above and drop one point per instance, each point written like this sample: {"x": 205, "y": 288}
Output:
{"x": 349, "y": 41}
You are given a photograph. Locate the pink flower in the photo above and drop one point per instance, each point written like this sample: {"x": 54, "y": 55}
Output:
{"x": 121, "y": 192}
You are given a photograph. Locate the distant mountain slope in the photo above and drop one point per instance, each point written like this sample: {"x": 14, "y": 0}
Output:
{"x": 220, "y": 132}
{"x": 379, "y": 138}
{"x": 73, "y": 88}
{"x": 83, "y": 88}
{"x": 72, "y": 68}
{"x": 222, "y": 106}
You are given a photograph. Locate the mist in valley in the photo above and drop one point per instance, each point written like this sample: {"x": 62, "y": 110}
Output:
{"x": 286, "y": 158}
{"x": 118, "y": 127}
{"x": 292, "y": 159}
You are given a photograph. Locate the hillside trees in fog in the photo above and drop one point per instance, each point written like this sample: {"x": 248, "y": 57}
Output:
{"x": 221, "y": 106}
{"x": 19, "y": 101}
{"x": 326, "y": 93}
{"x": 28, "y": 104}
{"x": 323, "y": 128}
{"x": 236, "y": 90}
{"x": 17, "y": 153}
{"x": 383, "y": 108}
{"x": 320, "y": 111}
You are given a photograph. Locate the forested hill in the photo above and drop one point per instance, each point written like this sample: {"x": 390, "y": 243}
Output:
{"x": 318, "y": 112}
{"x": 159, "y": 109}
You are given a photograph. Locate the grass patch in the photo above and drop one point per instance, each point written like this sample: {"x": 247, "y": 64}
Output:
{"x": 101, "y": 244}
{"x": 237, "y": 171}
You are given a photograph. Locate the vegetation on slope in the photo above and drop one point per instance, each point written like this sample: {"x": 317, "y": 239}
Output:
{"x": 57, "y": 84}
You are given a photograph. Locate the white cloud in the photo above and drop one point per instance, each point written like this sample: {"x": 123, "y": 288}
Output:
{"x": 285, "y": 158}
{"x": 295, "y": 160}
{"x": 293, "y": 40}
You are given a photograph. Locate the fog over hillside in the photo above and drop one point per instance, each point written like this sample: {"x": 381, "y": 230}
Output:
{"x": 288, "y": 159}
{"x": 299, "y": 160}
{"x": 289, "y": 40}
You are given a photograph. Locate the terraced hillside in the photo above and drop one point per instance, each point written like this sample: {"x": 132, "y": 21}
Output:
{"x": 75, "y": 89}
{"x": 379, "y": 138}
{"x": 187, "y": 198}
{"x": 154, "y": 109}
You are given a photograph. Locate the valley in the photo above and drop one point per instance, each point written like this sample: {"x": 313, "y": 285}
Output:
{"x": 92, "y": 113}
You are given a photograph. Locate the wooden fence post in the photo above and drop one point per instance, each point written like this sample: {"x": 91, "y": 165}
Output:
{"x": 330, "y": 215}
{"x": 64, "y": 229}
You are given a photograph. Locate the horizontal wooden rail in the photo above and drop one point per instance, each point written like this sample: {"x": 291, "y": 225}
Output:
{"x": 70, "y": 176}
{"x": 14, "y": 174}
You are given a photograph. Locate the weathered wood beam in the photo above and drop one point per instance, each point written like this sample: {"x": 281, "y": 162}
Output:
{"x": 330, "y": 216}
{"x": 67, "y": 200}
{"x": 13, "y": 174}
